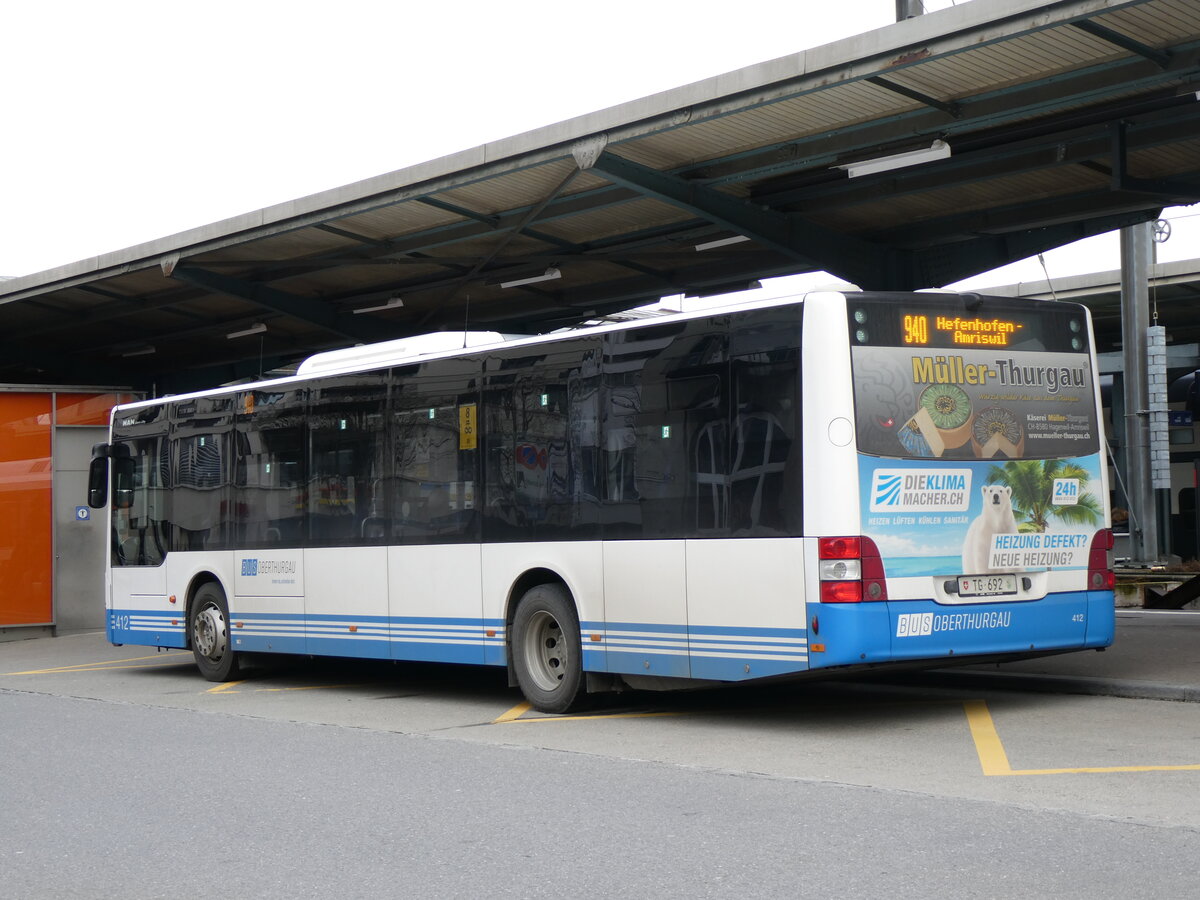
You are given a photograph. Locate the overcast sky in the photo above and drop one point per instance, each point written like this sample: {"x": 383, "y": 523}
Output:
{"x": 129, "y": 121}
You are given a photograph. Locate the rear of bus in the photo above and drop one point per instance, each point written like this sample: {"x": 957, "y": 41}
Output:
{"x": 981, "y": 525}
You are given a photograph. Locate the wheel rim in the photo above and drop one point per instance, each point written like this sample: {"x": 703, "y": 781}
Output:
{"x": 545, "y": 651}
{"x": 210, "y": 633}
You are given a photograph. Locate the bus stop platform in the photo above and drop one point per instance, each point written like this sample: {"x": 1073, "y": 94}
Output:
{"x": 1156, "y": 655}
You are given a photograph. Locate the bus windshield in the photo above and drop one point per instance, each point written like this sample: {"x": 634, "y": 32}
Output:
{"x": 972, "y": 378}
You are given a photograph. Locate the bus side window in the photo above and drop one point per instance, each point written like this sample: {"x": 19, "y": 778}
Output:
{"x": 435, "y": 424}
{"x": 347, "y": 437}
{"x": 764, "y": 475}
{"x": 269, "y": 500}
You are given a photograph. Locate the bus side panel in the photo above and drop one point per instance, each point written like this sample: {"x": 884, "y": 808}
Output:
{"x": 746, "y": 608}
{"x": 267, "y": 606}
{"x": 139, "y": 612}
{"x": 346, "y": 602}
{"x": 830, "y": 455}
{"x": 436, "y": 606}
{"x": 579, "y": 564}
{"x": 645, "y": 622}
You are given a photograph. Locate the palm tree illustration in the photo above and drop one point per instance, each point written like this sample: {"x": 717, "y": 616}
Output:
{"x": 1032, "y": 483}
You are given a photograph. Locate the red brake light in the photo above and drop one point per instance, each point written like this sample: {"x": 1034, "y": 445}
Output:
{"x": 868, "y": 583}
{"x": 839, "y": 548}
{"x": 1100, "y": 571}
{"x": 841, "y": 592}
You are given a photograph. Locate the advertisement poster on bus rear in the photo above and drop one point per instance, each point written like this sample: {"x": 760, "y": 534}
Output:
{"x": 973, "y": 517}
{"x": 977, "y": 461}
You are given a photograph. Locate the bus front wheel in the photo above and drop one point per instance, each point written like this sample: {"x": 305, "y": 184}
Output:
{"x": 208, "y": 627}
{"x": 546, "y": 650}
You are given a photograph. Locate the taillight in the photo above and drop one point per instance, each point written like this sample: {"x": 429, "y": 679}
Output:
{"x": 851, "y": 570}
{"x": 1100, "y": 570}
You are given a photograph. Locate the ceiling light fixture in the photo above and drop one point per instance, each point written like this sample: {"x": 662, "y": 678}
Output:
{"x": 936, "y": 150}
{"x": 140, "y": 351}
{"x": 723, "y": 242}
{"x": 393, "y": 303}
{"x": 549, "y": 275}
{"x": 256, "y": 328}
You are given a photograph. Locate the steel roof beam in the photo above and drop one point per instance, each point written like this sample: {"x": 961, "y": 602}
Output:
{"x": 951, "y": 262}
{"x": 313, "y": 312}
{"x": 1053, "y": 98}
{"x": 1158, "y": 57}
{"x": 1160, "y": 187}
{"x": 849, "y": 257}
{"x": 951, "y": 109}
{"x": 995, "y": 158}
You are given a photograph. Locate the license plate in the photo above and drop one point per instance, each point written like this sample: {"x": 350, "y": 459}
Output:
{"x": 986, "y": 585}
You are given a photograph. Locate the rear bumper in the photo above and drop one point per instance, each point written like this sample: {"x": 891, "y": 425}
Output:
{"x": 865, "y": 633}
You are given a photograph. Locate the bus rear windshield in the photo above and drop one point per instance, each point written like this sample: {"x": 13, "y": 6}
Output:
{"x": 964, "y": 377}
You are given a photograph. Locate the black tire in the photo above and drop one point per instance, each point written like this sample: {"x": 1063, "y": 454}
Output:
{"x": 208, "y": 631}
{"x": 547, "y": 655}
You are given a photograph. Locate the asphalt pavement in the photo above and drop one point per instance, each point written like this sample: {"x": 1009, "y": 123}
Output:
{"x": 1156, "y": 655}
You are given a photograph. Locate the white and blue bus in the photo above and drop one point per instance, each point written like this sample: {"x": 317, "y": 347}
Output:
{"x": 778, "y": 489}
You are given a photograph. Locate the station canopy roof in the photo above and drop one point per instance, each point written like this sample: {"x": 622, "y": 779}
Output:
{"x": 1024, "y": 125}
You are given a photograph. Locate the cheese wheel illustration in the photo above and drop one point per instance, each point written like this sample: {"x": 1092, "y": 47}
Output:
{"x": 997, "y": 430}
{"x": 950, "y": 409}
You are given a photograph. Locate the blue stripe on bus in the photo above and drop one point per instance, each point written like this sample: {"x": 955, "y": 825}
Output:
{"x": 632, "y": 648}
{"x": 146, "y": 627}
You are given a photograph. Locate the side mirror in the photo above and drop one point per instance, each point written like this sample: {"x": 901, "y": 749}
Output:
{"x": 98, "y": 477}
{"x": 123, "y": 488}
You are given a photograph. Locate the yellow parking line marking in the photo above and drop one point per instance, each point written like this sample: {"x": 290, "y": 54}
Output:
{"x": 513, "y": 714}
{"x": 228, "y": 688}
{"x": 93, "y": 666}
{"x": 68, "y": 670}
{"x": 306, "y": 687}
{"x": 992, "y": 758}
{"x": 224, "y": 687}
{"x": 994, "y": 761}
{"x": 1093, "y": 770}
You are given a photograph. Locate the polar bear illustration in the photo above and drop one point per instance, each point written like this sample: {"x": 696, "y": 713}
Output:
{"x": 997, "y": 518}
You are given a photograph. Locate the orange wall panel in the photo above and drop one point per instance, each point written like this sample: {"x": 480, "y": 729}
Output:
{"x": 26, "y": 525}
{"x": 86, "y": 409}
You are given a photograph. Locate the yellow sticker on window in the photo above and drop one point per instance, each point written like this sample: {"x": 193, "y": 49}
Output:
{"x": 468, "y": 437}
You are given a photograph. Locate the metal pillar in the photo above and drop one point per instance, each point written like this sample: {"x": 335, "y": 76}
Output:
{"x": 906, "y": 9}
{"x": 1135, "y": 319}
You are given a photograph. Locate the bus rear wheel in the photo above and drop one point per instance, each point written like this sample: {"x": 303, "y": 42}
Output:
{"x": 208, "y": 627}
{"x": 546, "y": 650}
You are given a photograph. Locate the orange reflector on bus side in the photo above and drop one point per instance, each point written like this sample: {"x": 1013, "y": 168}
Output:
{"x": 817, "y": 648}
{"x": 596, "y": 638}
{"x": 354, "y": 628}
{"x": 237, "y": 624}
{"x": 173, "y": 599}
{"x": 491, "y": 632}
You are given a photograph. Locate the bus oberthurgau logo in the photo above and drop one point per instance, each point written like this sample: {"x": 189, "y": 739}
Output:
{"x": 920, "y": 490}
